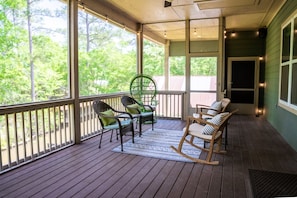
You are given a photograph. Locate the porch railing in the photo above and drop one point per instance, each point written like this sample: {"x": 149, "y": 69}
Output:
{"x": 31, "y": 131}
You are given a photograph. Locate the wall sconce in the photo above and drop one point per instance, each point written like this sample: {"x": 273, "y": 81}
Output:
{"x": 233, "y": 34}
{"x": 165, "y": 35}
{"x": 261, "y": 58}
{"x": 259, "y": 111}
{"x": 262, "y": 85}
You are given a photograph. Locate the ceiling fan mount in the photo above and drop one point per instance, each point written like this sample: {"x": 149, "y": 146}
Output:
{"x": 167, "y": 3}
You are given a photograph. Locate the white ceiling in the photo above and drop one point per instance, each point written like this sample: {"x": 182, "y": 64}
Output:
{"x": 169, "y": 21}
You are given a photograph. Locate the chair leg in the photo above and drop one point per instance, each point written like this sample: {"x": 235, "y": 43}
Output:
{"x": 210, "y": 151}
{"x": 132, "y": 134}
{"x": 226, "y": 136}
{"x": 153, "y": 122}
{"x": 121, "y": 138}
{"x": 100, "y": 139}
{"x": 140, "y": 126}
{"x": 110, "y": 140}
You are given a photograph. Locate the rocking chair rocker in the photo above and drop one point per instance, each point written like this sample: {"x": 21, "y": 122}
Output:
{"x": 210, "y": 131}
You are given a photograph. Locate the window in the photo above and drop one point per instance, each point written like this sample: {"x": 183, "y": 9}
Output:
{"x": 153, "y": 62}
{"x": 203, "y": 80}
{"x": 177, "y": 76}
{"x": 288, "y": 66}
{"x": 107, "y": 56}
{"x": 34, "y": 51}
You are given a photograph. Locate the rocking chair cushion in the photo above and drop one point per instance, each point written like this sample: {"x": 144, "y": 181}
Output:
{"x": 215, "y": 108}
{"x": 208, "y": 129}
{"x": 196, "y": 130}
{"x": 108, "y": 121}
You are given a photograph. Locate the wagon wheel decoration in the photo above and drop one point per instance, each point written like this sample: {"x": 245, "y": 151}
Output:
{"x": 143, "y": 89}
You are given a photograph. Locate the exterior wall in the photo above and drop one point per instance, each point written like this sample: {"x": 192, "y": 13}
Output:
{"x": 284, "y": 121}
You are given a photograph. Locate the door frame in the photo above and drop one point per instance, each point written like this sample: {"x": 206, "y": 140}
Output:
{"x": 244, "y": 108}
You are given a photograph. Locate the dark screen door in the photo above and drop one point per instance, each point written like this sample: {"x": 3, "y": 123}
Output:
{"x": 242, "y": 85}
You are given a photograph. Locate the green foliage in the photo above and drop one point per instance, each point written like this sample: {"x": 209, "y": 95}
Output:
{"x": 177, "y": 66}
{"x": 204, "y": 66}
{"x": 107, "y": 54}
{"x": 153, "y": 58}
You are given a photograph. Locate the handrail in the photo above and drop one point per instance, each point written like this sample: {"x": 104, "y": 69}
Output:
{"x": 33, "y": 130}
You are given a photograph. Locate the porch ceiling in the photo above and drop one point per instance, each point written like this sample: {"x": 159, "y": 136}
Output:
{"x": 160, "y": 20}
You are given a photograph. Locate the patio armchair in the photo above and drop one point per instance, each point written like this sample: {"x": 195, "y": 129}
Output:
{"x": 113, "y": 120}
{"x": 211, "y": 131}
{"x": 141, "y": 112}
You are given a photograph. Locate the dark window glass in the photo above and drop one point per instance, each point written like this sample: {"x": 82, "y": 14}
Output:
{"x": 286, "y": 43}
{"x": 284, "y": 83}
{"x": 243, "y": 74}
{"x": 245, "y": 97}
{"x": 294, "y": 85}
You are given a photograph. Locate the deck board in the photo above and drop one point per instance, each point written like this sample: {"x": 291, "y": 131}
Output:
{"x": 85, "y": 171}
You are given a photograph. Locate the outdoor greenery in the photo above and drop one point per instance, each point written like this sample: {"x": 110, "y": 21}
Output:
{"x": 34, "y": 54}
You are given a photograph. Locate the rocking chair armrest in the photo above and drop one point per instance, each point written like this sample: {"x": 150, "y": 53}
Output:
{"x": 201, "y": 121}
{"x": 201, "y": 105}
{"x": 205, "y": 108}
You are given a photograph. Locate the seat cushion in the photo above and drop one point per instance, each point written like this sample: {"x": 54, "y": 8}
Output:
{"x": 195, "y": 130}
{"x": 146, "y": 114}
{"x": 115, "y": 125}
{"x": 108, "y": 121}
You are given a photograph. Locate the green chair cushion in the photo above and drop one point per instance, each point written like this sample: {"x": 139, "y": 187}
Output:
{"x": 108, "y": 121}
{"x": 133, "y": 108}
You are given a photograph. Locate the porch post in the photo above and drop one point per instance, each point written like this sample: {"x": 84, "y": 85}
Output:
{"x": 140, "y": 49}
{"x": 73, "y": 65}
{"x": 187, "y": 52}
{"x": 166, "y": 64}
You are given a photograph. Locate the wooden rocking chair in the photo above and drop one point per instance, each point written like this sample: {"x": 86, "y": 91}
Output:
{"x": 210, "y": 131}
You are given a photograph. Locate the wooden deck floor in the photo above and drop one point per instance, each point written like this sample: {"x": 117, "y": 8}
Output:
{"x": 85, "y": 171}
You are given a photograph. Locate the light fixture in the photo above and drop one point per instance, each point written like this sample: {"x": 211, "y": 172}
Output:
{"x": 259, "y": 111}
{"x": 106, "y": 19}
{"x": 233, "y": 34}
{"x": 261, "y": 58}
{"x": 167, "y": 3}
{"x": 195, "y": 32}
{"x": 263, "y": 84}
{"x": 165, "y": 34}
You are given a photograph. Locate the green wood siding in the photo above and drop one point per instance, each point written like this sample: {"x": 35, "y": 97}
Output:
{"x": 178, "y": 48}
{"x": 284, "y": 121}
{"x": 244, "y": 44}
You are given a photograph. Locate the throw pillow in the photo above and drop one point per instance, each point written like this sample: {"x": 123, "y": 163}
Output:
{"x": 217, "y": 120}
{"x": 217, "y": 106}
{"x": 133, "y": 108}
{"x": 107, "y": 121}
